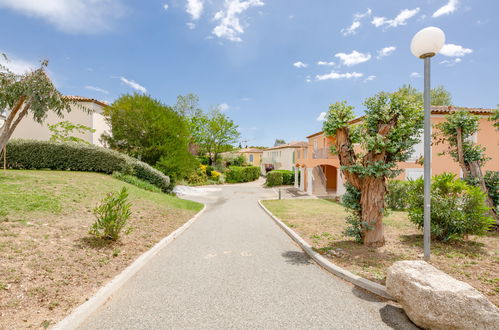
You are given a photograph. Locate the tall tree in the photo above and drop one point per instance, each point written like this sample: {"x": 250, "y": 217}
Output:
{"x": 457, "y": 131}
{"x": 29, "y": 93}
{"x": 216, "y": 133}
{"x": 386, "y": 135}
{"x": 152, "y": 132}
{"x": 279, "y": 142}
{"x": 439, "y": 95}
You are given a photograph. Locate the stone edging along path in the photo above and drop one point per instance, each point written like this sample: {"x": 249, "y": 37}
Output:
{"x": 76, "y": 318}
{"x": 370, "y": 286}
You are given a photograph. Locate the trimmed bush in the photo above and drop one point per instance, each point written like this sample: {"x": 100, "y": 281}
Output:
{"x": 135, "y": 181}
{"x": 237, "y": 174}
{"x": 69, "y": 156}
{"x": 457, "y": 208}
{"x": 396, "y": 199}
{"x": 274, "y": 178}
{"x": 288, "y": 177}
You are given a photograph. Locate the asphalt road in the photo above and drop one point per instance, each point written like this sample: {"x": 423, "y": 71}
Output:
{"x": 234, "y": 268}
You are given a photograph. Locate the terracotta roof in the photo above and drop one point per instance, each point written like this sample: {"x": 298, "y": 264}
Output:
{"x": 299, "y": 144}
{"x": 84, "y": 99}
{"x": 435, "y": 110}
{"x": 249, "y": 150}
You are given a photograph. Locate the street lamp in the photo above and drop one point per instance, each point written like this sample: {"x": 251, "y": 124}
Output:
{"x": 425, "y": 44}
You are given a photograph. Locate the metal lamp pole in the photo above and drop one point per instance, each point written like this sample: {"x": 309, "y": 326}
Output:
{"x": 425, "y": 44}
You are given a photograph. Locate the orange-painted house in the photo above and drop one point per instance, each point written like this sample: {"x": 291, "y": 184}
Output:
{"x": 320, "y": 169}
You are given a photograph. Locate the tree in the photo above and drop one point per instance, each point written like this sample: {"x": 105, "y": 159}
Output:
{"x": 457, "y": 131}
{"x": 215, "y": 133}
{"x": 61, "y": 132}
{"x": 438, "y": 95}
{"x": 29, "y": 93}
{"x": 279, "y": 142}
{"x": 146, "y": 129}
{"x": 369, "y": 152}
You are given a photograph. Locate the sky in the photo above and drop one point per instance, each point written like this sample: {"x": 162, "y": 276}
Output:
{"x": 273, "y": 66}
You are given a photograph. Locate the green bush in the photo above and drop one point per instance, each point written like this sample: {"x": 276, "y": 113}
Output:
{"x": 457, "y": 208}
{"x": 209, "y": 169}
{"x": 396, "y": 198}
{"x": 274, "y": 178}
{"x": 237, "y": 174}
{"x": 112, "y": 216}
{"x": 492, "y": 182}
{"x": 288, "y": 177}
{"x": 69, "y": 156}
{"x": 198, "y": 177}
{"x": 135, "y": 181}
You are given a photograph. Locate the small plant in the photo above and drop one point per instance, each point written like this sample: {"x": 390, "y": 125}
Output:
{"x": 396, "y": 199}
{"x": 112, "y": 216}
{"x": 457, "y": 208}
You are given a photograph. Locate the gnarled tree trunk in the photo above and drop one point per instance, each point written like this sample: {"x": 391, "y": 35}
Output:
{"x": 373, "y": 204}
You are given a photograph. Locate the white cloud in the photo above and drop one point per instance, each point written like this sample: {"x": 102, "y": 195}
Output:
{"x": 335, "y": 75}
{"x": 16, "y": 65}
{"x": 134, "y": 85}
{"x": 300, "y": 64}
{"x": 451, "y": 62}
{"x": 352, "y": 29}
{"x": 308, "y": 79}
{"x": 229, "y": 26}
{"x": 194, "y": 8}
{"x": 401, "y": 18}
{"x": 223, "y": 107}
{"x": 326, "y": 63}
{"x": 449, "y": 8}
{"x": 455, "y": 50}
{"x": 369, "y": 78}
{"x": 71, "y": 16}
{"x": 165, "y": 6}
{"x": 415, "y": 75}
{"x": 353, "y": 58}
{"x": 97, "y": 89}
{"x": 386, "y": 51}
{"x": 322, "y": 116}
{"x": 190, "y": 25}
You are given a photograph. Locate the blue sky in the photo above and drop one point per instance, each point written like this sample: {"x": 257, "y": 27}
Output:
{"x": 273, "y": 65}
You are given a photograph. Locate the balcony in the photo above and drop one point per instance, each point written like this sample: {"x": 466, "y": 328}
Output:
{"x": 322, "y": 153}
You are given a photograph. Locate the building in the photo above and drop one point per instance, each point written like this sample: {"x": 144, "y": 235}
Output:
{"x": 320, "y": 169}
{"x": 252, "y": 156}
{"x": 282, "y": 157}
{"x": 28, "y": 128}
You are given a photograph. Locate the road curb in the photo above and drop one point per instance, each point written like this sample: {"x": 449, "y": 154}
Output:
{"x": 370, "y": 286}
{"x": 82, "y": 312}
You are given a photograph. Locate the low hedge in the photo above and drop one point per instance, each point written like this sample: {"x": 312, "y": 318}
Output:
{"x": 288, "y": 177}
{"x": 274, "y": 178}
{"x": 237, "y": 174}
{"x": 70, "y": 156}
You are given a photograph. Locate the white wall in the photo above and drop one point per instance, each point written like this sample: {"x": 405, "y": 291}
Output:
{"x": 283, "y": 158}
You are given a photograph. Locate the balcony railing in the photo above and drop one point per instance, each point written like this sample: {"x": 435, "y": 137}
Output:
{"x": 323, "y": 153}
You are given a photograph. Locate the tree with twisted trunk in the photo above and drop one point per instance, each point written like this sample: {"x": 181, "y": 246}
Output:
{"x": 369, "y": 150}
{"x": 29, "y": 93}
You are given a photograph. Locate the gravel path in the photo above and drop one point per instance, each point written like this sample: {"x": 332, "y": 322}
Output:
{"x": 234, "y": 268}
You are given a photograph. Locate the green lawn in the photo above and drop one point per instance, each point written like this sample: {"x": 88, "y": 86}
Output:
{"x": 322, "y": 222}
{"x": 49, "y": 263}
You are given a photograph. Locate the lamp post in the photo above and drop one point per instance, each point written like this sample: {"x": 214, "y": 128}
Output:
{"x": 425, "y": 44}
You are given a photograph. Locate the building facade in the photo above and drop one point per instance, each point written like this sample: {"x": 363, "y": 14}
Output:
{"x": 320, "y": 169}
{"x": 282, "y": 157}
{"x": 252, "y": 156}
{"x": 93, "y": 117}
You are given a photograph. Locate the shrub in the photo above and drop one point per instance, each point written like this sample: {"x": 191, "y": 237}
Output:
{"x": 237, "y": 174}
{"x": 274, "y": 178}
{"x": 136, "y": 181}
{"x": 457, "y": 208}
{"x": 112, "y": 216}
{"x": 69, "y": 156}
{"x": 209, "y": 170}
{"x": 288, "y": 177}
{"x": 198, "y": 177}
{"x": 396, "y": 199}
{"x": 492, "y": 182}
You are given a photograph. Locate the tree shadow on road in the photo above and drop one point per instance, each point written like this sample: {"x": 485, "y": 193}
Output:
{"x": 297, "y": 258}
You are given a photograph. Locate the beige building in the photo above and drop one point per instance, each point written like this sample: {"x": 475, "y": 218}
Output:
{"x": 282, "y": 157}
{"x": 28, "y": 128}
{"x": 252, "y": 156}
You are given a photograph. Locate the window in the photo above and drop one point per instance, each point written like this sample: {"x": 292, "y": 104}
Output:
{"x": 251, "y": 158}
{"x": 414, "y": 173}
{"x": 315, "y": 145}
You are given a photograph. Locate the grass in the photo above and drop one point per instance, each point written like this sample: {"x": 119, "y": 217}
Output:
{"x": 321, "y": 223}
{"x": 49, "y": 263}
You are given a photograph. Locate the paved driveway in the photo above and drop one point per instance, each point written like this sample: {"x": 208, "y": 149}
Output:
{"x": 234, "y": 268}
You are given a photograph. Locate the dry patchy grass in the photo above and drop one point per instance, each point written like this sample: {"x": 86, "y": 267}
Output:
{"x": 48, "y": 262}
{"x": 321, "y": 223}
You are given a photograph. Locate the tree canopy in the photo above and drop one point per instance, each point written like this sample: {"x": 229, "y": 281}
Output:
{"x": 438, "y": 95}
